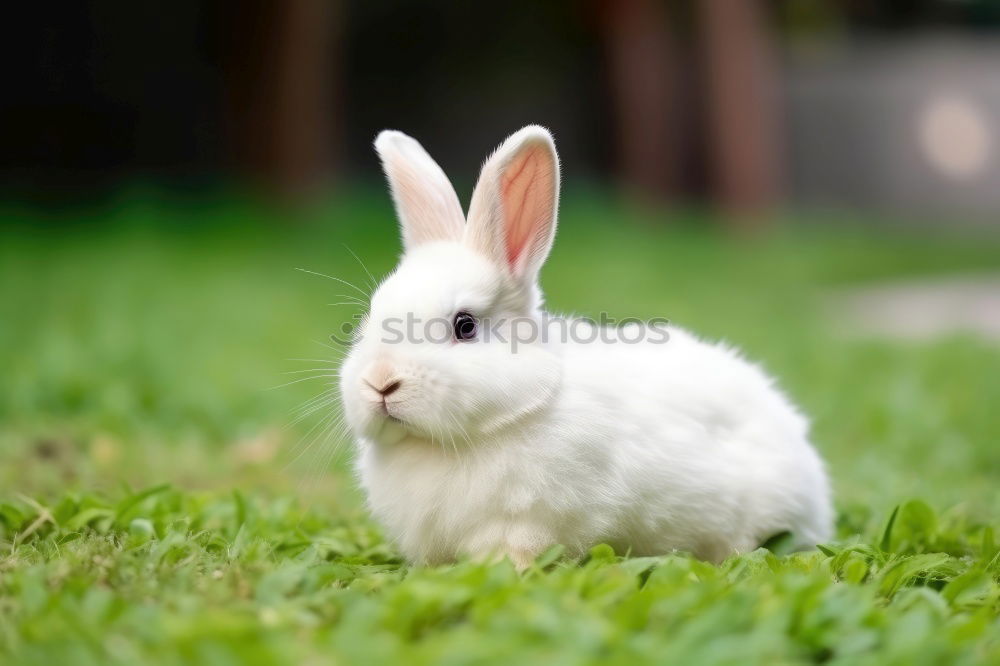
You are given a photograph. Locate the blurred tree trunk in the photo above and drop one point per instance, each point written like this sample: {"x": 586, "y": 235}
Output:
{"x": 282, "y": 91}
{"x": 643, "y": 84}
{"x": 741, "y": 97}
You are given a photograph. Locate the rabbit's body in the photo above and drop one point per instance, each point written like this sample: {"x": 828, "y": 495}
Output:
{"x": 474, "y": 447}
{"x": 676, "y": 464}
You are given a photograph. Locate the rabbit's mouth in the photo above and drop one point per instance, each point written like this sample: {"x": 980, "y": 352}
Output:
{"x": 391, "y": 424}
{"x": 385, "y": 410}
{"x": 388, "y": 415}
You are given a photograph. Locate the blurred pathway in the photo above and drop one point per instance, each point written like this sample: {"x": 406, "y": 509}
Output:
{"x": 922, "y": 309}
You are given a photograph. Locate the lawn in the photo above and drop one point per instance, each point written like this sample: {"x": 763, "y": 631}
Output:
{"x": 167, "y": 494}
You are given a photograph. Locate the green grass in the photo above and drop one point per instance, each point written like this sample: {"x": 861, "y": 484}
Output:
{"x": 157, "y": 507}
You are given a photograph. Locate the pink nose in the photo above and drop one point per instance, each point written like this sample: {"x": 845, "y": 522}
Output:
{"x": 389, "y": 388}
{"x": 381, "y": 377}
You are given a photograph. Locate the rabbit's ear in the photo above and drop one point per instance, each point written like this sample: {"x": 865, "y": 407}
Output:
{"x": 512, "y": 217}
{"x": 426, "y": 203}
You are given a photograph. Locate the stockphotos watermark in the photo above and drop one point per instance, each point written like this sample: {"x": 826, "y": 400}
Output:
{"x": 514, "y": 331}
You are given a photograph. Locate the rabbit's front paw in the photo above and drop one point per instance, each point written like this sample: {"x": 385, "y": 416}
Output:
{"x": 519, "y": 542}
{"x": 522, "y": 559}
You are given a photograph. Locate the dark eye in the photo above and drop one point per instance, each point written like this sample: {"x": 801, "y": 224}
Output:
{"x": 465, "y": 326}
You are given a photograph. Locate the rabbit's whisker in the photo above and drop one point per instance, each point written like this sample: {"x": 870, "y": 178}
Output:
{"x": 340, "y": 280}
{"x": 302, "y": 379}
{"x": 307, "y": 440}
{"x": 328, "y": 402}
{"x": 372, "y": 281}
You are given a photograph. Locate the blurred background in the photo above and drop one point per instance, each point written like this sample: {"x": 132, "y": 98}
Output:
{"x": 815, "y": 181}
{"x": 885, "y": 104}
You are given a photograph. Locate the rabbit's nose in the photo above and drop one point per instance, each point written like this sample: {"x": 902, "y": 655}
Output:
{"x": 389, "y": 388}
{"x": 382, "y": 379}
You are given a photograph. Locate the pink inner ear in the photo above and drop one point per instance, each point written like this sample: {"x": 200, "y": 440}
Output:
{"x": 526, "y": 189}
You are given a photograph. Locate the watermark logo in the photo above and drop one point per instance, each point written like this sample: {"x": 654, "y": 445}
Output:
{"x": 516, "y": 332}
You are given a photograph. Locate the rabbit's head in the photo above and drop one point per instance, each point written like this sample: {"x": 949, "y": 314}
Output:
{"x": 451, "y": 349}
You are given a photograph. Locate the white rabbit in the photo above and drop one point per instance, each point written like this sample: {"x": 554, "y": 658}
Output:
{"x": 470, "y": 445}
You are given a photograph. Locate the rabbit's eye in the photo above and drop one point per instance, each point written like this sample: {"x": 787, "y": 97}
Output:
{"x": 466, "y": 326}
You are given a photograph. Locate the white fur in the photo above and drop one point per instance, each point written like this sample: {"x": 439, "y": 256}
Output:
{"x": 489, "y": 452}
